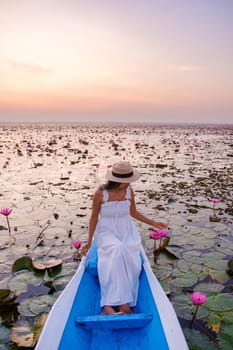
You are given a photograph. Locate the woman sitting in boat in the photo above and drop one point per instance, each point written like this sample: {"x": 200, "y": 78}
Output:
{"x": 118, "y": 239}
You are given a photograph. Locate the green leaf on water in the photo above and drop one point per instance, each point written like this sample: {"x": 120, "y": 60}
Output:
{"x": 227, "y": 317}
{"x": 214, "y": 321}
{"x": 230, "y": 267}
{"x": 20, "y": 281}
{"x": 198, "y": 341}
{"x": 192, "y": 256}
{"x": 185, "y": 308}
{"x": 211, "y": 287}
{"x": 171, "y": 201}
{"x": 214, "y": 260}
{"x": 23, "y": 263}
{"x": 7, "y": 297}
{"x": 36, "y": 305}
{"x": 183, "y": 265}
{"x": 170, "y": 253}
{"x": 162, "y": 272}
{"x": 225, "y": 337}
{"x": 220, "y": 302}
{"x": 186, "y": 279}
{"x": 219, "y": 275}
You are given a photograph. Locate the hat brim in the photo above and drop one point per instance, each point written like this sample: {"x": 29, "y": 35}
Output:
{"x": 110, "y": 177}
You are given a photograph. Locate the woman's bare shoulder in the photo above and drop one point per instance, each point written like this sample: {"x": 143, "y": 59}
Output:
{"x": 98, "y": 193}
{"x": 131, "y": 190}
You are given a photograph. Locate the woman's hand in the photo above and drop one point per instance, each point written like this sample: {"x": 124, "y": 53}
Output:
{"x": 85, "y": 249}
{"x": 160, "y": 225}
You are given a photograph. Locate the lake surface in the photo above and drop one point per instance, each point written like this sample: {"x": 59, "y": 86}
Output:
{"x": 48, "y": 174}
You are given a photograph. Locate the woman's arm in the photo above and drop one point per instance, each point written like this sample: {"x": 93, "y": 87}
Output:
{"x": 96, "y": 204}
{"x": 137, "y": 215}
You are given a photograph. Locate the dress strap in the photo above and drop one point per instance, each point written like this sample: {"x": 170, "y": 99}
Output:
{"x": 128, "y": 193}
{"x": 105, "y": 195}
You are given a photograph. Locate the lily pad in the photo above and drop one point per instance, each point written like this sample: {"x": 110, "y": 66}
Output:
{"x": 39, "y": 324}
{"x": 225, "y": 337}
{"x": 61, "y": 282}
{"x": 170, "y": 253}
{"x": 214, "y": 321}
{"x": 186, "y": 279}
{"x": 198, "y": 341}
{"x": 36, "y": 305}
{"x": 4, "y": 334}
{"x": 23, "y": 263}
{"x": 224, "y": 247}
{"x": 220, "y": 302}
{"x": 47, "y": 265}
{"x": 211, "y": 287}
{"x": 198, "y": 269}
{"x": 19, "y": 282}
{"x": 171, "y": 201}
{"x": 4, "y": 293}
{"x": 163, "y": 272}
{"x": 185, "y": 308}
{"x": 219, "y": 275}
{"x": 230, "y": 267}
{"x": 7, "y": 297}
{"x": 227, "y": 317}
{"x": 53, "y": 267}
{"x": 183, "y": 265}
{"x": 209, "y": 233}
{"x": 21, "y": 334}
{"x": 192, "y": 257}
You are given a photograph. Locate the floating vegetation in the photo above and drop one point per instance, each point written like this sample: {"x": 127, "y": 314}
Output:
{"x": 50, "y": 173}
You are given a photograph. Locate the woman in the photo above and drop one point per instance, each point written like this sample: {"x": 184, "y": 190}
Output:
{"x": 118, "y": 239}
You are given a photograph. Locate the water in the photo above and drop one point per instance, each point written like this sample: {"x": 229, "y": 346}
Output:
{"x": 48, "y": 174}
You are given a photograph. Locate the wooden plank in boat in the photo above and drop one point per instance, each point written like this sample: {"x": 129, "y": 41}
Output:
{"x": 116, "y": 321}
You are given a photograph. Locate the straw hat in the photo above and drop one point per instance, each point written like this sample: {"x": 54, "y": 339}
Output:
{"x": 122, "y": 172}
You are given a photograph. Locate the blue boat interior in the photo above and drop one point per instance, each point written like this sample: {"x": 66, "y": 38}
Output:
{"x": 87, "y": 329}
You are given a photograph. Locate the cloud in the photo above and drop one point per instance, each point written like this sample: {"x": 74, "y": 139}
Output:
{"x": 25, "y": 67}
{"x": 181, "y": 68}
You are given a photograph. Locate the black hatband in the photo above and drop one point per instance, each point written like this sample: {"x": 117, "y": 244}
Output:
{"x": 122, "y": 175}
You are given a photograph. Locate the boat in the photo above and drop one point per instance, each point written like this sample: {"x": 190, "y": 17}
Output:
{"x": 75, "y": 321}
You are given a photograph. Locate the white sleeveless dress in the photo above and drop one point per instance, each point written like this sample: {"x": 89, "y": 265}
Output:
{"x": 119, "y": 244}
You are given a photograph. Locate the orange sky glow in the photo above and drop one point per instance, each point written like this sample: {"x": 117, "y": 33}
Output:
{"x": 138, "y": 61}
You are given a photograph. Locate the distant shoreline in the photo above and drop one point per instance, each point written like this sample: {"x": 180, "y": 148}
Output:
{"x": 132, "y": 124}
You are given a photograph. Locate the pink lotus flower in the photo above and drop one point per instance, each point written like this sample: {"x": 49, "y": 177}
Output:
{"x": 77, "y": 254}
{"x": 214, "y": 200}
{"x": 198, "y": 298}
{"x": 158, "y": 234}
{"x": 5, "y": 211}
{"x": 77, "y": 244}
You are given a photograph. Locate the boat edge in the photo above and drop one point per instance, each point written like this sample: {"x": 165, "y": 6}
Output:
{"x": 60, "y": 310}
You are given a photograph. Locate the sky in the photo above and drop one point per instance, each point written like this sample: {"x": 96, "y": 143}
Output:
{"x": 121, "y": 60}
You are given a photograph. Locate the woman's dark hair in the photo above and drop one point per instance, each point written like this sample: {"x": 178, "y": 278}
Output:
{"x": 110, "y": 185}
